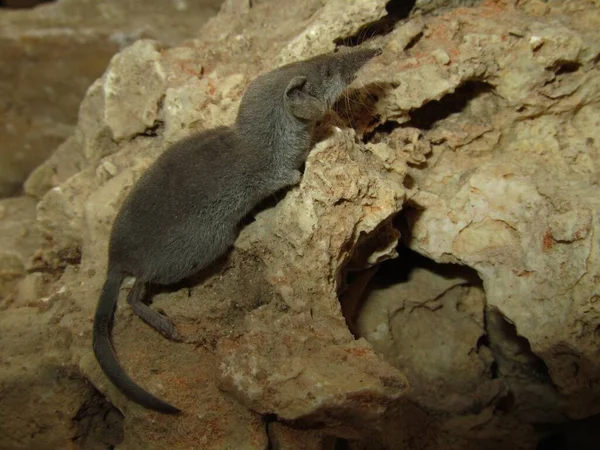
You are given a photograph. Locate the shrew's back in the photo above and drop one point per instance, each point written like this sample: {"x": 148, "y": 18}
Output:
{"x": 179, "y": 213}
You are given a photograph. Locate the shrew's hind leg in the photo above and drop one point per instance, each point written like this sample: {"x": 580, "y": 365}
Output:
{"x": 160, "y": 323}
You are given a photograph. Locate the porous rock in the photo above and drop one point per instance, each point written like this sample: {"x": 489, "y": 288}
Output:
{"x": 19, "y": 239}
{"x": 486, "y": 159}
{"x": 51, "y": 54}
{"x": 282, "y": 437}
{"x": 510, "y": 190}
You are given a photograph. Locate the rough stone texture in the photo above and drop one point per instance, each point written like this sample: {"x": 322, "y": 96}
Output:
{"x": 337, "y": 19}
{"x": 40, "y": 396}
{"x": 515, "y": 197}
{"x": 19, "y": 239}
{"x": 392, "y": 320}
{"x": 473, "y": 139}
{"x": 282, "y": 437}
{"x": 510, "y": 190}
{"x": 51, "y": 54}
{"x": 436, "y": 6}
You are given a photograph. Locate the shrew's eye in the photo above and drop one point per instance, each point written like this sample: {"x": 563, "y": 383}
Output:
{"x": 328, "y": 72}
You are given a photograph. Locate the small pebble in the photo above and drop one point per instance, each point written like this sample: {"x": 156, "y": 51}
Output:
{"x": 441, "y": 56}
{"x": 536, "y": 42}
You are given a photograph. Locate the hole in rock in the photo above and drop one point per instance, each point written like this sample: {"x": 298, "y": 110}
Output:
{"x": 427, "y": 319}
{"x": 414, "y": 41}
{"x": 427, "y": 115}
{"x": 552, "y": 442}
{"x": 341, "y": 444}
{"x": 567, "y": 67}
{"x": 506, "y": 403}
{"x": 384, "y": 128}
{"x": 397, "y": 10}
{"x": 22, "y": 4}
{"x": 397, "y": 271}
{"x": 98, "y": 424}
{"x": 503, "y": 335}
{"x": 268, "y": 419}
{"x": 483, "y": 341}
{"x": 400, "y": 270}
{"x": 409, "y": 182}
{"x": 494, "y": 345}
{"x": 153, "y": 131}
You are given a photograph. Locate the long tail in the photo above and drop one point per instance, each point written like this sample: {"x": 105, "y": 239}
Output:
{"x": 105, "y": 353}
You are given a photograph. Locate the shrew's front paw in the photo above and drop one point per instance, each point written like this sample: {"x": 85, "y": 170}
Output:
{"x": 294, "y": 177}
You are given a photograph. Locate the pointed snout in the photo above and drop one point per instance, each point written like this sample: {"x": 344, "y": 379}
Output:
{"x": 360, "y": 55}
{"x": 368, "y": 53}
{"x": 353, "y": 60}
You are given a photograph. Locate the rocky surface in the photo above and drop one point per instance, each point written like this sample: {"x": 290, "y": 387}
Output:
{"x": 19, "y": 238}
{"x": 51, "y": 54}
{"x": 450, "y": 204}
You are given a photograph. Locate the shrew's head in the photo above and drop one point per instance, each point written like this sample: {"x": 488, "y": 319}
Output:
{"x": 316, "y": 83}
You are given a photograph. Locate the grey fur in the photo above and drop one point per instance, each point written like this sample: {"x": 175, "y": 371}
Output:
{"x": 185, "y": 211}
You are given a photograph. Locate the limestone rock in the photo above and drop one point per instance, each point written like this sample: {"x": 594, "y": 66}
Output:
{"x": 65, "y": 162}
{"x": 51, "y": 54}
{"x": 520, "y": 209}
{"x": 19, "y": 239}
{"x": 487, "y": 159}
{"x": 336, "y": 20}
{"x": 42, "y": 389}
{"x": 131, "y": 108}
{"x": 282, "y": 437}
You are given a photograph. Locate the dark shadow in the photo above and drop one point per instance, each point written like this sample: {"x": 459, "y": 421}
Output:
{"x": 399, "y": 270}
{"x": 583, "y": 434}
{"x": 409, "y": 182}
{"x": 552, "y": 442}
{"x": 414, "y": 41}
{"x": 197, "y": 278}
{"x": 508, "y": 331}
{"x": 395, "y": 271}
{"x": 268, "y": 419}
{"x": 22, "y": 4}
{"x": 356, "y": 108}
{"x": 397, "y": 10}
{"x": 98, "y": 424}
{"x": 567, "y": 67}
{"x": 427, "y": 115}
{"x": 384, "y": 128}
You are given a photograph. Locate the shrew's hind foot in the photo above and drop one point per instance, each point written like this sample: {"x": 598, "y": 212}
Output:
{"x": 156, "y": 320}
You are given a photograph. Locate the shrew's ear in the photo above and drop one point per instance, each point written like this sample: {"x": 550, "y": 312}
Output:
{"x": 302, "y": 104}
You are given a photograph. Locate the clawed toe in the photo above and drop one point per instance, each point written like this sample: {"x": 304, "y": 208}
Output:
{"x": 170, "y": 331}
